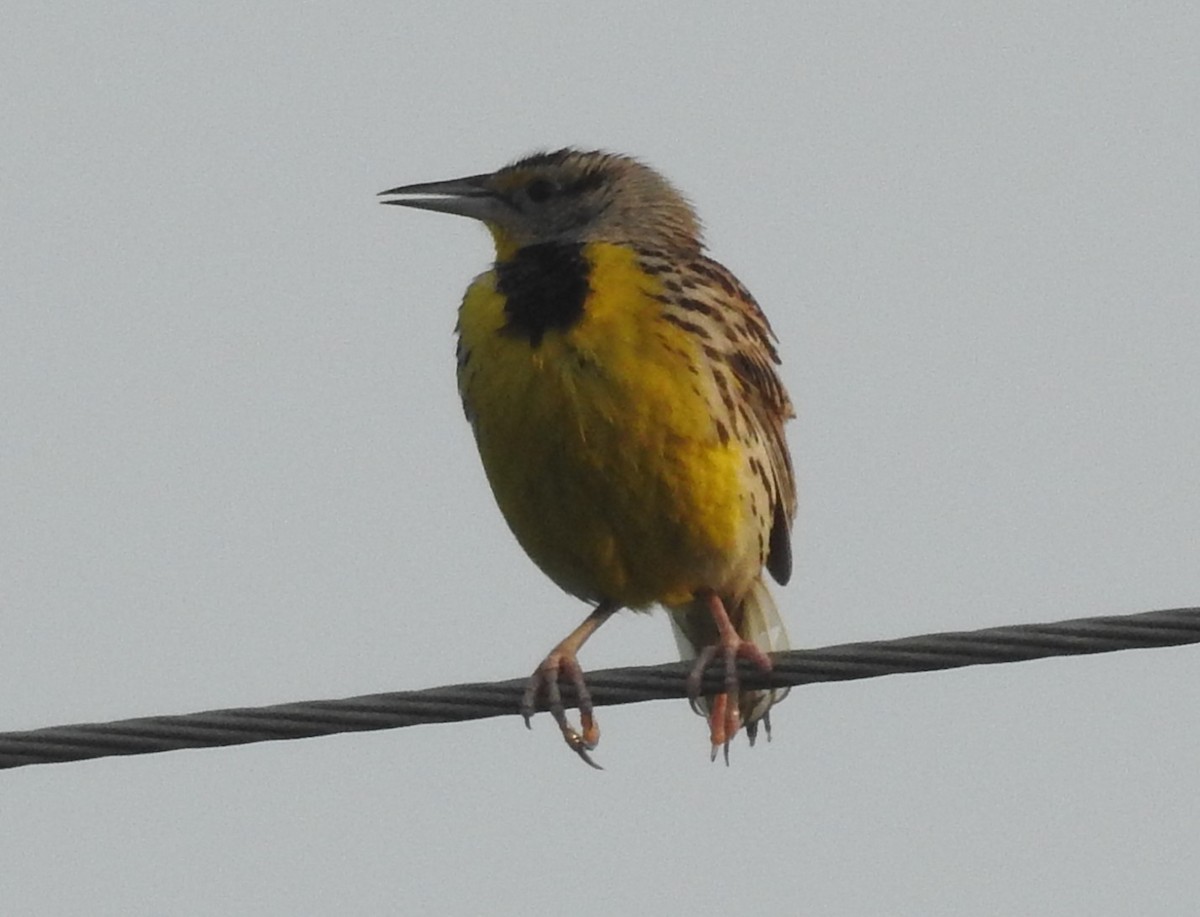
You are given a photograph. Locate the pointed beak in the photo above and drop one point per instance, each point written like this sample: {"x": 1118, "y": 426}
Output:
{"x": 469, "y": 197}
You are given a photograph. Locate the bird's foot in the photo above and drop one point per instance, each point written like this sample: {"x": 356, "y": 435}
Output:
{"x": 544, "y": 682}
{"x": 724, "y": 715}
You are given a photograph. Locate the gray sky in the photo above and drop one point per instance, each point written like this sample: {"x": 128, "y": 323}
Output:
{"x": 234, "y": 470}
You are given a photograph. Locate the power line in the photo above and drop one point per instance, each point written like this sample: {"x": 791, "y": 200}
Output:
{"x": 456, "y": 703}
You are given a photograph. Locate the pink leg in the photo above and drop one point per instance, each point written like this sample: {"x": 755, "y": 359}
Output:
{"x": 724, "y": 717}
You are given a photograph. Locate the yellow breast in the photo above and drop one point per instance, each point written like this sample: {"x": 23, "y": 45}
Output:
{"x": 600, "y": 444}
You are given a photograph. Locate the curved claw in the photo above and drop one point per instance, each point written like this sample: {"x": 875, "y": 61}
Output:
{"x": 696, "y": 678}
{"x": 752, "y": 728}
{"x": 529, "y": 701}
{"x": 580, "y": 746}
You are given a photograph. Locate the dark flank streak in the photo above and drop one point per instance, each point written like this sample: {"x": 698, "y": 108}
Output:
{"x": 653, "y": 268}
{"x": 692, "y": 304}
{"x": 726, "y": 397}
{"x": 744, "y": 413}
{"x": 690, "y": 327}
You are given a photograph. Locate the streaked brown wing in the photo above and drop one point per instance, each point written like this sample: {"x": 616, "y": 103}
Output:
{"x": 754, "y": 361}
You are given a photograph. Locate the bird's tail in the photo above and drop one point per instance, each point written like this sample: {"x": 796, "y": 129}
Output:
{"x": 756, "y": 619}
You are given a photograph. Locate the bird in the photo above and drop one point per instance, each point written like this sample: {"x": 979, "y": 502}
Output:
{"x": 624, "y": 393}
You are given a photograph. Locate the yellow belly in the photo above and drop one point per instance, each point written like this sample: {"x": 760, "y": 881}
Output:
{"x": 601, "y": 448}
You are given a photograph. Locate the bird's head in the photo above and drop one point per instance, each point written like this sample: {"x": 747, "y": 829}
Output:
{"x": 567, "y": 196}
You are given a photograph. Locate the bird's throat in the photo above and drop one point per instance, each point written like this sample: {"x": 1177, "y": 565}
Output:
{"x": 545, "y": 287}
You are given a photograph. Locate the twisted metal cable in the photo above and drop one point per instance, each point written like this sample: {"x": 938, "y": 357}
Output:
{"x": 456, "y": 703}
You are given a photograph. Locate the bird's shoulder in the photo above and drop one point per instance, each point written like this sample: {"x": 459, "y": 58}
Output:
{"x": 706, "y": 298}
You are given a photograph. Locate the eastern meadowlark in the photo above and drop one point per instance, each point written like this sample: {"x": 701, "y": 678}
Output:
{"x": 623, "y": 392}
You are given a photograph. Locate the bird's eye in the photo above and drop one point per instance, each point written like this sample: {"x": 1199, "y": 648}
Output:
{"x": 539, "y": 190}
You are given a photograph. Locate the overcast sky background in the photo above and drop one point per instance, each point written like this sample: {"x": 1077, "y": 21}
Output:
{"x": 234, "y": 470}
